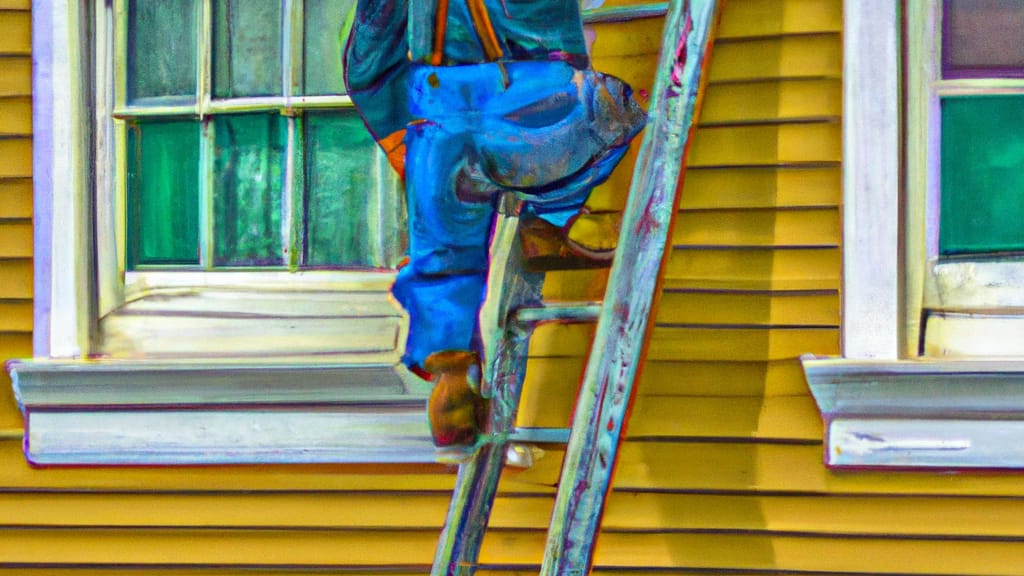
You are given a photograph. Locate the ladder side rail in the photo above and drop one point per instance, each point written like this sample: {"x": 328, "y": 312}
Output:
{"x": 510, "y": 286}
{"x": 505, "y": 347}
{"x": 623, "y": 326}
{"x": 477, "y": 483}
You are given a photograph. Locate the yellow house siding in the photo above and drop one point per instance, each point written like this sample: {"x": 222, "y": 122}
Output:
{"x": 722, "y": 471}
{"x": 15, "y": 197}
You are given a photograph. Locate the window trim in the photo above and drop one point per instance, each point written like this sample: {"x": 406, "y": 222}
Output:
{"x": 64, "y": 386}
{"x": 52, "y": 391}
{"x": 871, "y": 218}
{"x": 61, "y": 184}
{"x": 114, "y": 286}
{"x": 934, "y": 284}
{"x": 884, "y": 406}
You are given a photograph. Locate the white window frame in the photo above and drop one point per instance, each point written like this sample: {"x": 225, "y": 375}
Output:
{"x": 71, "y": 422}
{"x": 72, "y": 312}
{"x": 871, "y": 185}
{"x": 883, "y": 404}
{"x": 80, "y": 410}
{"x": 981, "y": 294}
{"x": 119, "y": 290}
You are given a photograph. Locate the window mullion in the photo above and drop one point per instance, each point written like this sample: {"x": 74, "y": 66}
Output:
{"x": 922, "y": 109}
{"x": 291, "y": 49}
{"x": 979, "y": 86}
{"x": 239, "y": 105}
{"x": 206, "y": 134}
{"x": 204, "y": 70}
{"x": 120, "y": 53}
{"x": 110, "y": 43}
{"x": 294, "y": 183}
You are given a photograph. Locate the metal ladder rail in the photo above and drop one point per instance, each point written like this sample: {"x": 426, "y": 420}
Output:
{"x": 511, "y": 310}
{"x": 623, "y": 328}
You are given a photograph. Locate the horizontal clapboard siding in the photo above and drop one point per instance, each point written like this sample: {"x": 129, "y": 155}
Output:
{"x": 287, "y": 548}
{"x": 722, "y": 470}
{"x": 16, "y": 80}
{"x": 15, "y": 197}
{"x": 920, "y": 516}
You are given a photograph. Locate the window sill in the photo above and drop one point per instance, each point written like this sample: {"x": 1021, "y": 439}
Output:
{"x": 920, "y": 414}
{"x": 114, "y": 412}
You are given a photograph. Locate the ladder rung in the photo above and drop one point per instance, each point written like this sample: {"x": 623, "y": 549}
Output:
{"x": 540, "y": 435}
{"x": 558, "y": 312}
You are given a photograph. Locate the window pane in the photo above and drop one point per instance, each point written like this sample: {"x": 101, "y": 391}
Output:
{"x": 349, "y": 222}
{"x": 163, "y": 193}
{"x": 983, "y": 38}
{"x": 246, "y": 48}
{"x": 324, "y": 37}
{"x": 982, "y": 175}
{"x": 247, "y": 194}
{"x": 162, "y": 49}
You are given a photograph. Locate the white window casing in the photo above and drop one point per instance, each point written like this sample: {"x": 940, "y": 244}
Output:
{"x": 160, "y": 367}
{"x": 871, "y": 215}
{"x": 883, "y": 403}
{"x": 133, "y": 360}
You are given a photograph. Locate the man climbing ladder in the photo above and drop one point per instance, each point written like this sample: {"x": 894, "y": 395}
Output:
{"x": 513, "y": 306}
{"x": 471, "y": 99}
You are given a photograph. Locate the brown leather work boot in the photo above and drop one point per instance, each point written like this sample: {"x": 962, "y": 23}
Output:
{"x": 456, "y": 410}
{"x": 594, "y": 235}
{"x": 587, "y": 241}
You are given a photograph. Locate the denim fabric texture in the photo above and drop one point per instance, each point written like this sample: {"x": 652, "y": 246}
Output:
{"x": 534, "y": 125}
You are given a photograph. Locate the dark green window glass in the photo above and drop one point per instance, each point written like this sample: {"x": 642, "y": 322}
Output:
{"x": 163, "y": 193}
{"x": 344, "y": 221}
{"x": 246, "y": 48}
{"x": 162, "y": 50}
{"x": 249, "y": 160}
{"x": 982, "y": 175}
{"x": 324, "y": 41}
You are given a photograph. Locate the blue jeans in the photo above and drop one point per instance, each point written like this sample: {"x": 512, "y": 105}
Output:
{"x": 544, "y": 130}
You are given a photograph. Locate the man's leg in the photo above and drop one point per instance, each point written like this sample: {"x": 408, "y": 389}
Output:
{"x": 443, "y": 284}
{"x": 553, "y": 135}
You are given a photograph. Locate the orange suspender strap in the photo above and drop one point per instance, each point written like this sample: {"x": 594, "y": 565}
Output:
{"x": 440, "y": 25}
{"x": 481, "y": 23}
{"x": 484, "y": 29}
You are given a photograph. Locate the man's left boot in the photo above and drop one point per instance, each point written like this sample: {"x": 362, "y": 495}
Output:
{"x": 457, "y": 412}
{"x": 586, "y": 241}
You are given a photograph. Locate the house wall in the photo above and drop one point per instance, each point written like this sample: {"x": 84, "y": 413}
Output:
{"x": 15, "y": 199}
{"x": 722, "y": 466}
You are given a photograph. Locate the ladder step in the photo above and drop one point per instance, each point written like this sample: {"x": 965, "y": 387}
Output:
{"x": 557, "y": 312}
{"x": 540, "y": 435}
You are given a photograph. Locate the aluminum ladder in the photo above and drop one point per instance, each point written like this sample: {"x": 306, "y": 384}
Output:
{"x": 513, "y": 308}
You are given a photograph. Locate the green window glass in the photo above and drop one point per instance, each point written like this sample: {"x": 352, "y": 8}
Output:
{"x": 162, "y": 50}
{"x": 323, "y": 42}
{"x": 223, "y": 168}
{"x": 246, "y": 48}
{"x": 982, "y": 175}
{"x": 343, "y": 216}
{"x": 249, "y": 169}
{"x": 163, "y": 193}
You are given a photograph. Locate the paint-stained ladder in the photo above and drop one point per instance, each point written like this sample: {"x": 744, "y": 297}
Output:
{"x": 514, "y": 308}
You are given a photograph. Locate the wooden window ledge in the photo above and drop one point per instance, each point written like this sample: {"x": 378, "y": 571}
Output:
{"x": 165, "y": 412}
{"x": 920, "y": 414}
